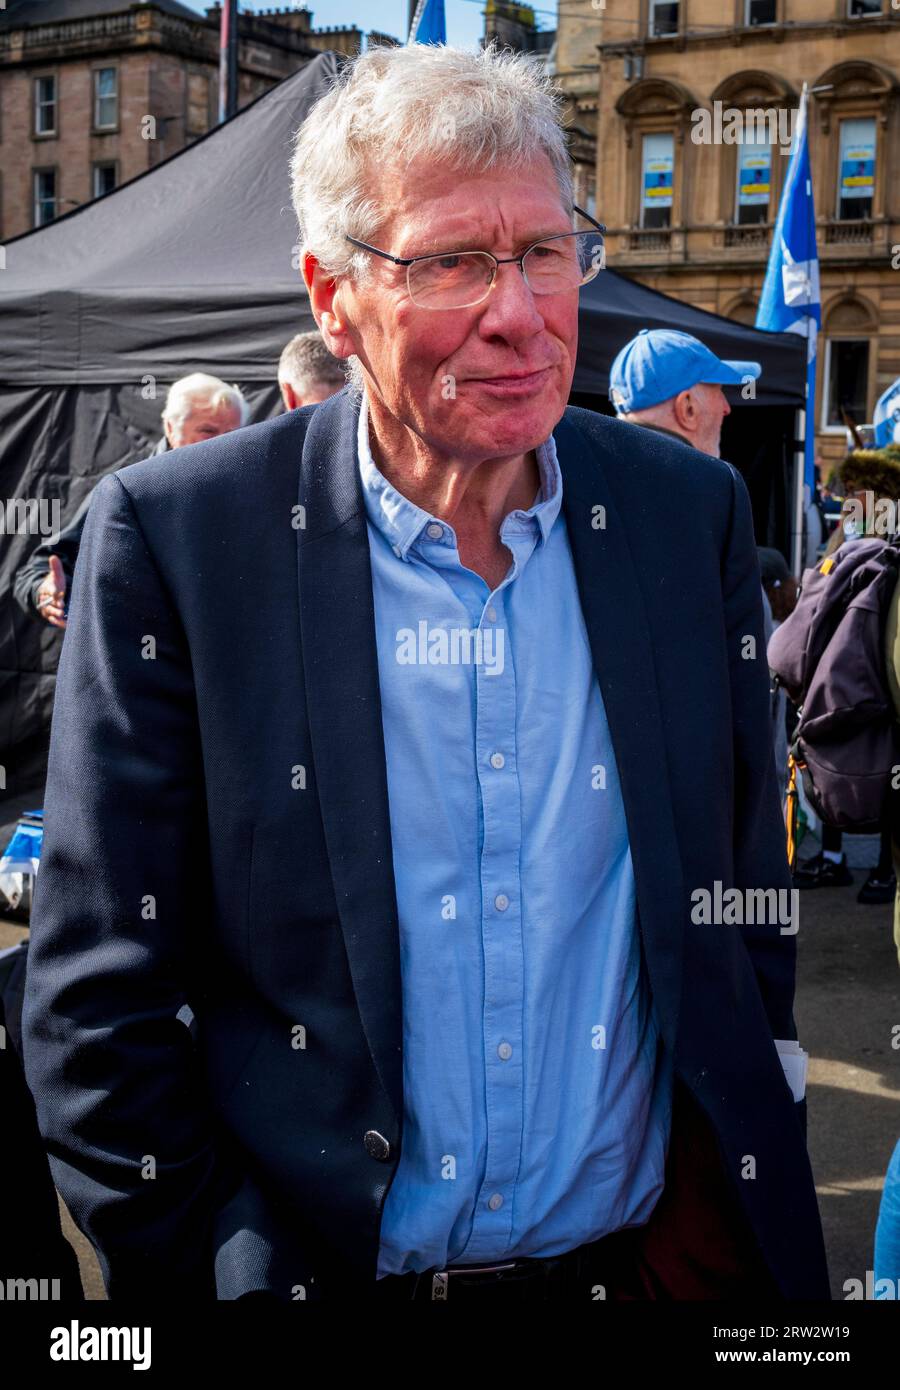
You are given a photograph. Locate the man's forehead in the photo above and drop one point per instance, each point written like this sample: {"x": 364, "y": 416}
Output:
{"x": 478, "y": 224}
{"x": 439, "y": 201}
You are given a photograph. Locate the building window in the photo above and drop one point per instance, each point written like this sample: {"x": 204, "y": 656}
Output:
{"x": 45, "y": 106}
{"x": 760, "y": 11}
{"x": 856, "y": 169}
{"x": 857, "y": 8}
{"x": 754, "y": 182}
{"x": 106, "y": 101}
{"x": 657, "y": 180}
{"x": 663, "y": 18}
{"x": 104, "y": 179}
{"x": 846, "y": 381}
{"x": 44, "y": 196}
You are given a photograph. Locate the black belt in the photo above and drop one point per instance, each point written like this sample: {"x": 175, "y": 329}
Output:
{"x": 580, "y": 1274}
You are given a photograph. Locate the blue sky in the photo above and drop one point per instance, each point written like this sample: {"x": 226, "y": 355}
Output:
{"x": 465, "y": 23}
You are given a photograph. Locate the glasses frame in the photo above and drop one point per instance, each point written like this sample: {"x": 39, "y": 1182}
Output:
{"x": 507, "y": 260}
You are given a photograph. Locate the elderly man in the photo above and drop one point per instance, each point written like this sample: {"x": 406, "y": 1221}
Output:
{"x": 307, "y": 372}
{"x": 672, "y": 383}
{"x": 197, "y": 407}
{"x": 414, "y": 805}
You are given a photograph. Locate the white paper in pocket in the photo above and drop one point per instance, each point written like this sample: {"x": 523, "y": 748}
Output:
{"x": 795, "y": 1063}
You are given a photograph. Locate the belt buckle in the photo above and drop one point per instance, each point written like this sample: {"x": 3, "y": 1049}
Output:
{"x": 440, "y": 1280}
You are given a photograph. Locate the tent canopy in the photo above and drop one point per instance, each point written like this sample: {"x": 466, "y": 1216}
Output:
{"x": 193, "y": 262}
{"x": 613, "y": 309}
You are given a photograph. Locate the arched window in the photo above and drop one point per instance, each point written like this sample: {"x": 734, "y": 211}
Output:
{"x": 853, "y": 116}
{"x": 754, "y": 115}
{"x": 656, "y": 115}
{"x": 742, "y": 309}
{"x": 850, "y": 323}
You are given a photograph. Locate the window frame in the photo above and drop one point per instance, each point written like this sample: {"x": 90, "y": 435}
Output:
{"x": 736, "y": 186}
{"x": 36, "y": 171}
{"x": 96, "y": 166}
{"x": 641, "y": 225}
{"x": 768, "y": 24}
{"x": 651, "y": 12}
{"x": 868, "y": 14}
{"x": 843, "y": 120}
{"x": 96, "y": 98}
{"x": 841, "y": 429}
{"x": 37, "y": 105}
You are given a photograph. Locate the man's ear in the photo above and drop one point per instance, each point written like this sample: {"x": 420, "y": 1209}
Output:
{"x": 326, "y": 298}
{"x": 684, "y": 407}
{"x": 287, "y": 396}
{"x": 168, "y": 431}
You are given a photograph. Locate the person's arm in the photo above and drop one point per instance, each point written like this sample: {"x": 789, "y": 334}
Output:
{"x": 760, "y": 854}
{"x": 120, "y": 901}
{"x": 30, "y": 576}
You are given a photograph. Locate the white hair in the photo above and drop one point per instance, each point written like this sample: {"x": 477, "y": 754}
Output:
{"x": 199, "y": 388}
{"x": 471, "y": 111}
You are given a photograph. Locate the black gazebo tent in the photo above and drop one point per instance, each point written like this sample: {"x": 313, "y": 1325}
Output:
{"x": 193, "y": 266}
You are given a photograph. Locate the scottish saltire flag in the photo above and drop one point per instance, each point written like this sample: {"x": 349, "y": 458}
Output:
{"x": 429, "y": 23}
{"x": 887, "y": 417}
{"x": 791, "y": 301}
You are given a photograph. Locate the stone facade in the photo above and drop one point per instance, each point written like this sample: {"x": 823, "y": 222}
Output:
{"x": 166, "y": 70}
{"x": 706, "y": 247}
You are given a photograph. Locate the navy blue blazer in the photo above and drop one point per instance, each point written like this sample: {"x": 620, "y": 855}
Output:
{"x": 217, "y": 835}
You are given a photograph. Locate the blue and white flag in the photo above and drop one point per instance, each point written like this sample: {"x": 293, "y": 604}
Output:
{"x": 887, "y": 417}
{"x": 429, "y": 23}
{"x": 791, "y": 301}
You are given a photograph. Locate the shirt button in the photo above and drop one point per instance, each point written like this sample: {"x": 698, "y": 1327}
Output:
{"x": 504, "y": 1051}
{"x": 492, "y": 614}
{"x": 497, "y": 760}
{"x": 376, "y": 1145}
{"x": 434, "y": 530}
{"x": 495, "y": 1202}
{"x": 501, "y": 902}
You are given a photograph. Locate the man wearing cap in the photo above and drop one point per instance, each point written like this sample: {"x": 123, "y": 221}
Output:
{"x": 672, "y": 383}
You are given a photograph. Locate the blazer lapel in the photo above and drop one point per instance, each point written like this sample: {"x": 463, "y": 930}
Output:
{"x": 615, "y": 616}
{"x": 340, "y": 662}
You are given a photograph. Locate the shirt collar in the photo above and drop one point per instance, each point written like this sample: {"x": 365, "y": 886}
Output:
{"x": 401, "y": 522}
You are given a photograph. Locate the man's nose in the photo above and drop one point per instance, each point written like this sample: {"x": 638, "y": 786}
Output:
{"x": 511, "y": 305}
{"x": 726, "y": 407}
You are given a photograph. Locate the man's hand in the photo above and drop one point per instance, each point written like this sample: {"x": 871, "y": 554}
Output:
{"x": 51, "y": 596}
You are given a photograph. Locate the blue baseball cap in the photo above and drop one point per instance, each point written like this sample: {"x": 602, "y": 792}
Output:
{"x": 660, "y": 362}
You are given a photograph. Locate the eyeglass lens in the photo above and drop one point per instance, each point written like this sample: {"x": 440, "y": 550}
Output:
{"x": 462, "y": 278}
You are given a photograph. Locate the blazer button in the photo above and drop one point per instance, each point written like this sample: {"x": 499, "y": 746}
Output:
{"x": 376, "y": 1145}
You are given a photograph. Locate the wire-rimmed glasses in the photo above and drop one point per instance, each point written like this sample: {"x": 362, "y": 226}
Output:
{"x": 459, "y": 279}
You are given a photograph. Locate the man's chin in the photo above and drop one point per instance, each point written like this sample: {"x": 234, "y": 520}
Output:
{"x": 513, "y": 428}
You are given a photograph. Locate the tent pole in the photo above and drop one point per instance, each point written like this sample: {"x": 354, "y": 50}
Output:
{"x": 797, "y": 497}
{"x": 228, "y": 54}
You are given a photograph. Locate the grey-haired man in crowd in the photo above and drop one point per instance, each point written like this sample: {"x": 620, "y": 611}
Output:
{"x": 307, "y": 372}
{"x": 197, "y": 407}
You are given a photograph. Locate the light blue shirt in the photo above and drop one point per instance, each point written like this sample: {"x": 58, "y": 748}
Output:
{"x": 536, "y": 1107}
